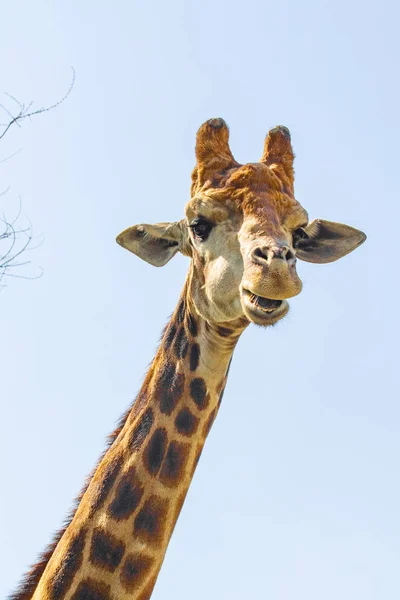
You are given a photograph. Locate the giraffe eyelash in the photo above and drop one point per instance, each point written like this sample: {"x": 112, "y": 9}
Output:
{"x": 201, "y": 228}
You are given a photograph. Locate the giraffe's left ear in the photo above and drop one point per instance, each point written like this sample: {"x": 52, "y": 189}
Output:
{"x": 156, "y": 244}
{"x": 325, "y": 241}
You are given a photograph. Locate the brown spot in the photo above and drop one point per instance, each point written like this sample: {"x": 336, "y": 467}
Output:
{"x": 151, "y": 521}
{"x": 141, "y": 399}
{"x": 127, "y": 496}
{"x": 174, "y": 464}
{"x": 89, "y": 589}
{"x": 155, "y": 451}
{"x": 224, "y": 331}
{"x": 210, "y": 421}
{"x": 62, "y": 579}
{"x": 106, "y": 550}
{"x": 141, "y": 430}
{"x": 181, "y": 311}
{"x": 106, "y": 479}
{"x": 135, "y": 568}
{"x": 181, "y": 344}
{"x": 185, "y": 422}
{"x": 194, "y": 357}
{"x": 169, "y": 334}
{"x": 169, "y": 387}
{"x": 192, "y": 325}
{"x": 198, "y": 392}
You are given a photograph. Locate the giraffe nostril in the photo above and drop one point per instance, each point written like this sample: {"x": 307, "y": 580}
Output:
{"x": 260, "y": 254}
{"x": 268, "y": 253}
{"x": 289, "y": 254}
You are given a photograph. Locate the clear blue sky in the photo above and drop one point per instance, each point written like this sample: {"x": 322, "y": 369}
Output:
{"x": 297, "y": 494}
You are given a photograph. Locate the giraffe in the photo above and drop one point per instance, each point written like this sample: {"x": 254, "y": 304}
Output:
{"x": 243, "y": 232}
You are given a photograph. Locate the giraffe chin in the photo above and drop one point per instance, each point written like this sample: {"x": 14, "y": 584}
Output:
{"x": 263, "y": 311}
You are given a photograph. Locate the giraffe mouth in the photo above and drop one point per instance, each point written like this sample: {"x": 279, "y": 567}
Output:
{"x": 265, "y": 304}
{"x": 261, "y": 310}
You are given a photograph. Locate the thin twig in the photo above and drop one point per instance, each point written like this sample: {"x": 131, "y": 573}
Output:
{"x": 24, "y": 111}
{"x": 14, "y": 239}
{"x": 4, "y": 192}
{"x": 3, "y": 160}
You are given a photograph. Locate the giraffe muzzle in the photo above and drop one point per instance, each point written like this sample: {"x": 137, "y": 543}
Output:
{"x": 261, "y": 310}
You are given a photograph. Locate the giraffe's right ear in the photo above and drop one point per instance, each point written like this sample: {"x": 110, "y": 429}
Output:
{"x": 156, "y": 244}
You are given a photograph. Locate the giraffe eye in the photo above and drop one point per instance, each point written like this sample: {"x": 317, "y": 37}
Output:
{"x": 299, "y": 237}
{"x": 201, "y": 228}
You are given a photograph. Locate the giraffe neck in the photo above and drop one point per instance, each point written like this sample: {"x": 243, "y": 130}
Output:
{"x": 115, "y": 544}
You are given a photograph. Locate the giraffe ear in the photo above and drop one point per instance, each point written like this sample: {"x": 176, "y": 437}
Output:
{"x": 156, "y": 244}
{"x": 324, "y": 241}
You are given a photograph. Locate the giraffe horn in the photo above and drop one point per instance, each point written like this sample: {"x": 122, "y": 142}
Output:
{"x": 212, "y": 143}
{"x": 278, "y": 154}
{"x": 212, "y": 152}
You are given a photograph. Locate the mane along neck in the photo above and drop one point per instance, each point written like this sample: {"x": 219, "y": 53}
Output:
{"x": 114, "y": 542}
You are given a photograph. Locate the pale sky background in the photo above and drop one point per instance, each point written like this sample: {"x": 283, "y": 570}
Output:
{"x": 297, "y": 493}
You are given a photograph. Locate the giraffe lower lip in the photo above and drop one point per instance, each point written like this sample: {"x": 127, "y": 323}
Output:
{"x": 266, "y": 304}
{"x": 261, "y": 315}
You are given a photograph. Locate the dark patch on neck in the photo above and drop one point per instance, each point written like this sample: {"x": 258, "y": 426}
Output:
{"x": 180, "y": 313}
{"x": 127, "y": 496}
{"x": 71, "y": 562}
{"x": 186, "y": 423}
{"x": 142, "y": 429}
{"x": 169, "y": 334}
{"x": 106, "y": 551}
{"x": 169, "y": 387}
{"x": 181, "y": 344}
{"x": 155, "y": 451}
{"x": 194, "y": 356}
{"x": 134, "y": 570}
{"x": 89, "y": 589}
{"x": 192, "y": 325}
{"x": 174, "y": 464}
{"x": 224, "y": 331}
{"x": 150, "y": 522}
{"x": 106, "y": 481}
{"x": 198, "y": 392}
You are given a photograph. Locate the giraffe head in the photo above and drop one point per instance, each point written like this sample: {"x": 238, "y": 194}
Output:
{"x": 244, "y": 231}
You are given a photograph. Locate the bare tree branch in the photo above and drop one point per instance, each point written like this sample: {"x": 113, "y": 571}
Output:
{"x": 25, "y": 112}
{"x": 15, "y": 239}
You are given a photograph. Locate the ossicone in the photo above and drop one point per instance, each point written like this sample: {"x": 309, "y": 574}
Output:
{"x": 213, "y": 153}
{"x": 278, "y": 154}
